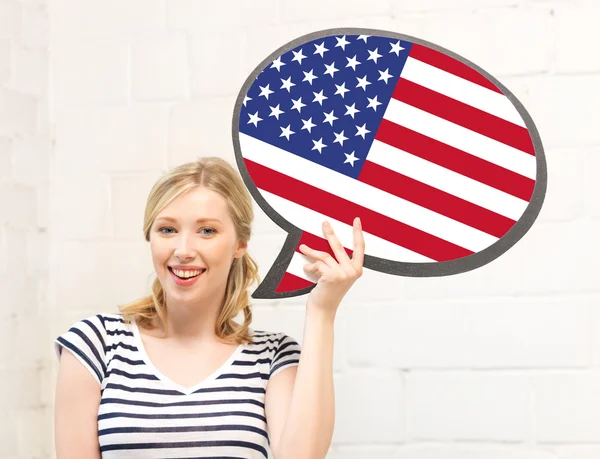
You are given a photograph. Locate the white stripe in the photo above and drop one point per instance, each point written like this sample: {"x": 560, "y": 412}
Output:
{"x": 364, "y": 195}
{"x": 312, "y": 222}
{"x": 460, "y": 89}
{"x": 460, "y": 137}
{"x": 296, "y": 267}
{"x": 446, "y": 180}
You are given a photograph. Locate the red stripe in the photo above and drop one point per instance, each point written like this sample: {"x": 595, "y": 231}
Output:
{"x": 464, "y": 115}
{"x": 340, "y": 209}
{"x": 454, "y": 159}
{"x": 450, "y": 65}
{"x": 318, "y": 243}
{"x": 436, "y": 200}
{"x": 290, "y": 283}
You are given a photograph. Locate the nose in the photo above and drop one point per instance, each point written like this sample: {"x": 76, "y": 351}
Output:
{"x": 184, "y": 246}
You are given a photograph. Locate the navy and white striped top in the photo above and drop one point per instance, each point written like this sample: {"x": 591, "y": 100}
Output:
{"x": 143, "y": 414}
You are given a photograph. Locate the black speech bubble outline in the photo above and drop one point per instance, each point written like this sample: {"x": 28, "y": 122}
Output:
{"x": 432, "y": 269}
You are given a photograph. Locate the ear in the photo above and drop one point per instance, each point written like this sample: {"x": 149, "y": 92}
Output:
{"x": 242, "y": 247}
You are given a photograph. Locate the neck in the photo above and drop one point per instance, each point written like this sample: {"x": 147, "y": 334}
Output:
{"x": 191, "y": 324}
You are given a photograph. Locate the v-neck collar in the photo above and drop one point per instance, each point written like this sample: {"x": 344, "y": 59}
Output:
{"x": 167, "y": 381}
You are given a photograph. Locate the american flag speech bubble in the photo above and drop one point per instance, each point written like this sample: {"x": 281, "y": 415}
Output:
{"x": 443, "y": 165}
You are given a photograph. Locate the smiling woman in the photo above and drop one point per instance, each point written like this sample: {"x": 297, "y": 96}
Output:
{"x": 179, "y": 208}
{"x": 173, "y": 372}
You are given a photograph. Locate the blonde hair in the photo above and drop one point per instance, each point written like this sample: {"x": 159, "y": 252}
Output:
{"x": 218, "y": 175}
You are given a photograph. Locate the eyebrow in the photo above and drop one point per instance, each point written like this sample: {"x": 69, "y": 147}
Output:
{"x": 171, "y": 219}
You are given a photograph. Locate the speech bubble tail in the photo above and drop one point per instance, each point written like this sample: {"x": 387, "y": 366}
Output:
{"x": 287, "y": 277}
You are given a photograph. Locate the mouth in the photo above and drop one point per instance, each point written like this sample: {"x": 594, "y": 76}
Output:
{"x": 187, "y": 280}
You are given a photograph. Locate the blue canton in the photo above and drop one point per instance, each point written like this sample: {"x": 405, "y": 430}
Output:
{"x": 324, "y": 100}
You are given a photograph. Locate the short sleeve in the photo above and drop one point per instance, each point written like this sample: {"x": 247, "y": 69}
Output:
{"x": 86, "y": 339}
{"x": 287, "y": 354}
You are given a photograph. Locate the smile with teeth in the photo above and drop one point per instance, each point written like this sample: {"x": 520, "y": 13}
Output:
{"x": 186, "y": 274}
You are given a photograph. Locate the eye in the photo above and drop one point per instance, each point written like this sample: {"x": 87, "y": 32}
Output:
{"x": 168, "y": 227}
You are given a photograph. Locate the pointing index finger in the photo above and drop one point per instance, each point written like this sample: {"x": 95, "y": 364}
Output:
{"x": 358, "y": 254}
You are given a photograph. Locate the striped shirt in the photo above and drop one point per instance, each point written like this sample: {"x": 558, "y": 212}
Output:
{"x": 143, "y": 414}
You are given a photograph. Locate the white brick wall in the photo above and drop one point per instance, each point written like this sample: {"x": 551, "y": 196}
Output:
{"x": 98, "y": 98}
{"x": 25, "y": 152}
{"x": 468, "y": 406}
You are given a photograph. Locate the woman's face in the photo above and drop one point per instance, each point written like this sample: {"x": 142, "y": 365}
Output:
{"x": 210, "y": 244}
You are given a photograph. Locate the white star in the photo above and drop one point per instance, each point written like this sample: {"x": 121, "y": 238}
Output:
{"x": 329, "y": 118}
{"x": 373, "y": 103}
{"x": 297, "y": 104}
{"x": 374, "y": 55}
{"x": 384, "y": 75}
{"x": 246, "y": 99}
{"x": 277, "y": 64}
{"x": 351, "y": 110}
{"x": 396, "y": 48}
{"x": 350, "y": 158}
{"x": 287, "y": 84}
{"x": 308, "y": 76}
{"x": 331, "y": 69}
{"x": 320, "y": 49}
{"x": 319, "y": 145}
{"x": 342, "y": 42}
{"x": 341, "y": 89}
{"x": 362, "y": 130}
{"x": 286, "y": 132}
{"x": 340, "y": 138}
{"x": 265, "y": 91}
{"x": 308, "y": 124}
{"x": 254, "y": 119}
{"x": 298, "y": 56}
{"x": 362, "y": 83}
{"x": 275, "y": 111}
{"x": 319, "y": 97}
{"x": 352, "y": 63}
{"x": 363, "y": 37}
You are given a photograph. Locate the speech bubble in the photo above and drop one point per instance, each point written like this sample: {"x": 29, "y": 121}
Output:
{"x": 441, "y": 162}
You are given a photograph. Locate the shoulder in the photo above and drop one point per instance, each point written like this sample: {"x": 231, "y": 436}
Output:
{"x": 87, "y": 328}
{"x": 87, "y": 339}
{"x": 272, "y": 340}
{"x": 280, "y": 349}
{"x": 114, "y": 321}
{"x": 263, "y": 336}
{"x": 92, "y": 334}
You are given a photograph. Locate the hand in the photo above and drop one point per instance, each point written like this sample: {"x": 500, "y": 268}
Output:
{"x": 335, "y": 277}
